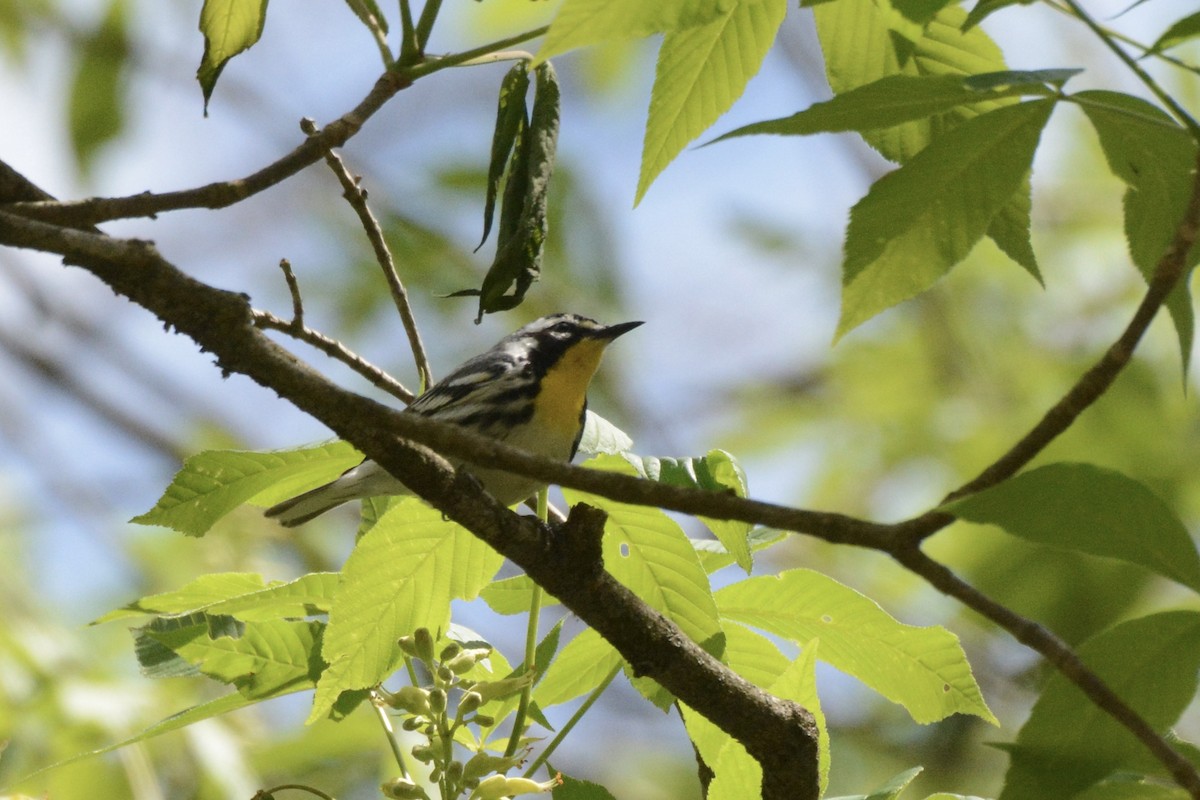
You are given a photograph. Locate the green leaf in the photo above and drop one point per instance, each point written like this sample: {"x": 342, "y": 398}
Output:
{"x": 513, "y": 595}
{"x": 714, "y": 556}
{"x": 265, "y": 659}
{"x": 890, "y": 790}
{"x": 922, "y": 669}
{"x": 368, "y": 12}
{"x": 920, "y": 220}
{"x": 1069, "y": 743}
{"x": 213, "y": 483}
{"x": 1009, "y": 229}
{"x": 581, "y": 665}
{"x": 1125, "y": 788}
{"x": 701, "y": 71}
{"x": 401, "y": 576}
{"x": 511, "y": 119}
{"x": 575, "y": 789}
{"x": 229, "y": 27}
{"x": 985, "y": 8}
{"x": 523, "y": 226}
{"x": 718, "y": 471}
{"x": 1180, "y": 31}
{"x": 238, "y": 594}
{"x": 1092, "y": 510}
{"x": 580, "y": 23}
{"x": 96, "y": 112}
{"x": 752, "y": 655}
{"x": 1154, "y": 156}
{"x": 896, "y": 99}
{"x": 648, "y": 552}
{"x": 190, "y": 716}
{"x": 602, "y": 437}
{"x": 860, "y": 48}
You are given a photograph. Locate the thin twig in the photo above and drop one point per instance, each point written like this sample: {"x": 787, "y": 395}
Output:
{"x": 1178, "y": 111}
{"x": 336, "y": 350}
{"x": 223, "y": 193}
{"x": 429, "y": 14}
{"x": 356, "y": 196}
{"x": 389, "y": 732}
{"x": 410, "y": 52}
{"x": 434, "y": 64}
{"x": 294, "y": 290}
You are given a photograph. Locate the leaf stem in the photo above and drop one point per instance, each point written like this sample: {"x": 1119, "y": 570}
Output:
{"x": 425, "y": 24}
{"x": 573, "y": 721}
{"x": 389, "y": 732}
{"x": 410, "y": 53}
{"x": 431, "y": 65}
{"x": 531, "y": 635}
{"x": 1109, "y": 40}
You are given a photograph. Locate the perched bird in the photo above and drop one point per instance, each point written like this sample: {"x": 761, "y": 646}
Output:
{"x": 530, "y": 391}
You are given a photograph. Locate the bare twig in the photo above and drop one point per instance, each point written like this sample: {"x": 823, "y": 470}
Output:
{"x": 294, "y": 290}
{"x": 356, "y": 196}
{"x": 336, "y": 350}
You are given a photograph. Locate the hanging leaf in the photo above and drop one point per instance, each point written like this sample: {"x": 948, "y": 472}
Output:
{"x": 229, "y": 27}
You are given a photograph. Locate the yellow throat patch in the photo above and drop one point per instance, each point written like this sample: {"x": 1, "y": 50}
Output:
{"x": 564, "y": 388}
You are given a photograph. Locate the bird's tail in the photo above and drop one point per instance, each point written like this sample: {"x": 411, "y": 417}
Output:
{"x": 313, "y": 503}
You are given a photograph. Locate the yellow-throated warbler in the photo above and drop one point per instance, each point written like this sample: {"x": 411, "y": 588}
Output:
{"x": 530, "y": 391}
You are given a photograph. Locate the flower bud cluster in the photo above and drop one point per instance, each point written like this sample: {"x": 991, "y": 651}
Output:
{"x": 439, "y": 710}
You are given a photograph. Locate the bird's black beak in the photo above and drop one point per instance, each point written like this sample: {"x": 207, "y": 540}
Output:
{"x": 613, "y": 331}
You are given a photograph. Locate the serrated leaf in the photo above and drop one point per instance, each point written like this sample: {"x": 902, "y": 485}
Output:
{"x": 580, "y": 23}
{"x": 581, "y": 666}
{"x": 922, "y": 669}
{"x": 264, "y": 659}
{"x": 717, "y": 471}
{"x": 96, "y": 108}
{"x": 1069, "y": 743}
{"x": 229, "y": 27}
{"x": 213, "y": 483}
{"x": 402, "y": 575}
{"x": 701, "y": 71}
{"x": 859, "y": 49}
{"x": 238, "y": 594}
{"x": 513, "y": 595}
{"x": 1010, "y": 230}
{"x": 1154, "y": 156}
{"x": 648, "y": 552}
{"x": 985, "y": 8}
{"x": 1180, "y": 31}
{"x": 896, "y": 99}
{"x": 920, "y": 220}
{"x": 602, "y": 437}
{"x": 753, "y": 656}
{"x": 1091, "y": 510}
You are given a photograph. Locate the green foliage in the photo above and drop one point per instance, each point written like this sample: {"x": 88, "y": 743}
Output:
{"x": 229, "y": 27}
{"x": 1092, "y": 510}
{"x": 97, "y": 113}
{"x": 922, "y": 669}
{"x": 213, "y": 483}
{"x": 1068, "y": 744}
{"x": 1181, "y": 30}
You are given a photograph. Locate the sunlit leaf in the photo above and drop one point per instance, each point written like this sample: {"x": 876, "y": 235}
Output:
{"x": 701, "y": 71}
{"x": 581, "y": 665}
{"x": 1092, "y": 510}
{"x": 1070, "y": 743}
{"x": 402, "y": 575}
{"x": 896, "y": 99}
{"x": 890, "y": 790}
{"x": 580, "y": 23}
{"x": 229, "y": 27}
{"x": 602, "y": 437}
{"x": 215, "y": 482}
{"x": 1181, "y": 30}
{"x": 239, "y": 594}
{"x": 922, "y": 669}
{"x": 920, "y": 220}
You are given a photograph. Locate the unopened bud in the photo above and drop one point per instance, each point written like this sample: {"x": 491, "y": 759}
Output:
{"x": 423, "y": 640}
{"x": 437, "y": 700}
{"x": 403, "y": 789}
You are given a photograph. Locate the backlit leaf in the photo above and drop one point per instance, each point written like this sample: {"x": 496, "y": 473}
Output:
{"x": 213, "y": 483}
{"x": 922, "y": 669}
{"x": 402, "y": 575}
{"x": 229, "y": 27}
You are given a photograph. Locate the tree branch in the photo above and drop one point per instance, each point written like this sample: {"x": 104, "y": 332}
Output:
{"x": 779, "y": 734}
